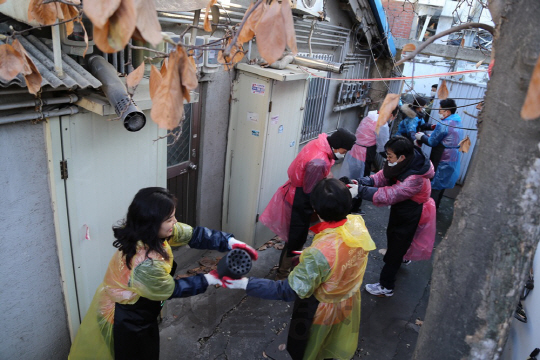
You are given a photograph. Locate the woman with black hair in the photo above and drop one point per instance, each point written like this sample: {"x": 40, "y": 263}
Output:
{"x": 121, "y": 322}
{"x": 325, "y": 285}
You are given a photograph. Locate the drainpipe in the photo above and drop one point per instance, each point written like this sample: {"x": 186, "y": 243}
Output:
{"x": 38, "y": 115}
{"x": 116, "y": 93}
{"x": 36, "y": 102}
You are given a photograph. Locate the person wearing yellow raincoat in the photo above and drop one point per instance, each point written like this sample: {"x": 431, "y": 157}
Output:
{"x": 121, "y": 322}
{"x": 325, "y": 285}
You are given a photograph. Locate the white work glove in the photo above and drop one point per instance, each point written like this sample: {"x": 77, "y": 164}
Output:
{"x": 213, "y": 278}
{"x": 353, "y": 188}
{"x": 419, "y": 135}
{"x": 237, "y": 244}
{"x": 240, "y": 284}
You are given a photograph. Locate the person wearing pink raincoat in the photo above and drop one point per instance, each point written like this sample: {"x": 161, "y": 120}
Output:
{"x": 289, "y": 211}
{"x": 404, "y": 184}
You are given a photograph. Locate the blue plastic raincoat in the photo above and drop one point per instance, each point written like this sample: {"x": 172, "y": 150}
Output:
{"x": 409, "y": 125}
{"x": 447, "y": 172}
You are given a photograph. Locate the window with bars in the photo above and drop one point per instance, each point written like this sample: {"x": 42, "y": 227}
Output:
{"x": 178, "y": 152}
{"x": 315, "y": 103}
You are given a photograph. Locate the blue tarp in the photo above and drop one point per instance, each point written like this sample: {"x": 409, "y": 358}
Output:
{"x": 382, "y": 24}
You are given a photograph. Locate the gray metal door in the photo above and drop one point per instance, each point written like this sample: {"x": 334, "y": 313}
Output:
{"x": 182, "y": 164}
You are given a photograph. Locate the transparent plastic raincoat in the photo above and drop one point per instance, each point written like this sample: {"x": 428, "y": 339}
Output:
{"x": 354, "y": 162}
{"x": 332, "y": 270}
{"x": 149, "y": 277}
{"x": 311, "y": 165}
{"x": 417, "y": 188}
{"x": 448, "y": 170}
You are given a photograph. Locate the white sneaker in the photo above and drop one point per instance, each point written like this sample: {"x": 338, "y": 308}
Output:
{"x": 378, "y": 290}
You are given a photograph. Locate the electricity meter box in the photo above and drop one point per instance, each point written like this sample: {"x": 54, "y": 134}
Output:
{"x": 265, "y": 124}
{"x": 211, "y": 63}
{"x": 198, "y": 54}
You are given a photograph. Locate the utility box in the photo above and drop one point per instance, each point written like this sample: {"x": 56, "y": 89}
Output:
{"x": 265, "y": 122}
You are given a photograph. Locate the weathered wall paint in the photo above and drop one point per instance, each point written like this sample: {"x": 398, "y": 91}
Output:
{"x": 33, "y": 315}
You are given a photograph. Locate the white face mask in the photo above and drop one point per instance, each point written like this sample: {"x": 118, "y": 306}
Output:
{"x": 394, "y": 163}
{"x": 339, "y": 155}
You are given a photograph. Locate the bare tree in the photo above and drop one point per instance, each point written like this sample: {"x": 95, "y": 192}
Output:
{"x": 481, "y": 264}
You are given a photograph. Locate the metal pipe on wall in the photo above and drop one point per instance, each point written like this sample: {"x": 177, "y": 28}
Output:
{"x": 38, "y": 115}
{"x": 318, "y": 64}
{"x": 69, "y": 99}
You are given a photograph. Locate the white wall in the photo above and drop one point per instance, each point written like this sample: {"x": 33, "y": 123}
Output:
{"x": 432, "y": 65}
{"x": 525, "y": 337}
{"x": 33, "y": 316}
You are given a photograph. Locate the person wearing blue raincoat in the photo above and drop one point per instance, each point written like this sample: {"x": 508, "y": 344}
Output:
{"x": 414, "y": 118}
{"x": 445, "y": 155}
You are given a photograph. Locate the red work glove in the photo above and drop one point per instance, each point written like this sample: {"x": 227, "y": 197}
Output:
{"x": 213, "y": 278}
{"x": 236, "y": 244}
{"x": 433, "y": 127}
{"x": 240, "y": 284}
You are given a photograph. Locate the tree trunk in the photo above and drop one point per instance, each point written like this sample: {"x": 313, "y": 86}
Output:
{"x": 481, "y": 265}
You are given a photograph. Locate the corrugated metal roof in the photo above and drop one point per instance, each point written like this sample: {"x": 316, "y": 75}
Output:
{"x": 75, "y": 76}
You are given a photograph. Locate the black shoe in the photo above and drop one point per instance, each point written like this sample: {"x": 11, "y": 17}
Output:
{"x": 520, "y": 313}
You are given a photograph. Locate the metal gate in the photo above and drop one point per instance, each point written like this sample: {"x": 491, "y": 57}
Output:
{"x": 183, "y": 162}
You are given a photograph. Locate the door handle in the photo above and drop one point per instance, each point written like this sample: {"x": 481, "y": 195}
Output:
{"x": 192, "y": 166}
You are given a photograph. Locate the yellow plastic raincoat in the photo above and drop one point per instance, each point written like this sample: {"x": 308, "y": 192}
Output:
{"x": 332, "y": 270}
{"x": 148, "y": 277}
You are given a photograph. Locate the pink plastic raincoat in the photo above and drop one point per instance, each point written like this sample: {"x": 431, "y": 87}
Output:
{"x": 366, "y": 136}
{"x": 310, "y": 166}
{"x": 418, "y": 189}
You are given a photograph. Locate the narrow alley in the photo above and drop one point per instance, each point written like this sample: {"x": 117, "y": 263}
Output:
{"x": 226, "y": 324}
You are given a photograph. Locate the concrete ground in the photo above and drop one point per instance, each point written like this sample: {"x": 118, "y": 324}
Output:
{"x": 226, "y": 324}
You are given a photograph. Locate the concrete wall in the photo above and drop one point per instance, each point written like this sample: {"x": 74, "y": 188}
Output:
{"x": 33, "y": 315}
{"x": 213, "y": 146}
{"x": 425, "y": 66}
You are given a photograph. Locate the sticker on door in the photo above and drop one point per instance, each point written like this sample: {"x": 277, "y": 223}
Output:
{"x": 257, "y": 89}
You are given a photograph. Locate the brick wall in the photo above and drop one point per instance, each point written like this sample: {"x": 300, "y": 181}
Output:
{"x": 400, "y": 16}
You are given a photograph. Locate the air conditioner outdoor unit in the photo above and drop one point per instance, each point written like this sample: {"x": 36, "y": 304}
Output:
{"x": 311, "y": 7}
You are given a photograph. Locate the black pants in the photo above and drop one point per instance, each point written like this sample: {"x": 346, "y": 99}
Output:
{"x": 135, "y": 330}
{"x": 300, "y": 221}
{"x": 299, "y": 329}
{"x": 402, "y": 224}
{"x": 437, "y": 196}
